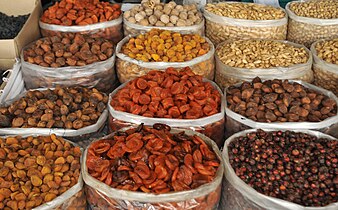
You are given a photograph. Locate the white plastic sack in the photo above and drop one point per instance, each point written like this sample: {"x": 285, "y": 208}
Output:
{"x": 304, "y": 30}
{"x": 236, "y": 122}
{"x": 111, "y": 30}
{"x": 325, "y": 73}
{"x": 101, "y": 196}
{"x": 227, "y": 75}
{"x": 238, "y": 195}
{"x": 211, "y": 126}
{"x": 220, "y": 29}
{"x": 128, "y": 68}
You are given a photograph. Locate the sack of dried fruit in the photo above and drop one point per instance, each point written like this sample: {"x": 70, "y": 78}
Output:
{"x": 40, "y": 173}
{"x": 280, "y": 104}
{"x": 238, "y": 20}
{"x": 75, "y": 113}
{"x": 243, "y": 60}
{"x": 151, "y": 14}
{"x": 286, "y": 170}
{"x": 312, "y": 20}
{"x": 179, "y": 99}
{"x": 325, "y": 64}
{"x": 161, "y": 49}
{"x": 153, "y": 168}
{"x": 69, "y": 60}
{"x": 93, "y": 17}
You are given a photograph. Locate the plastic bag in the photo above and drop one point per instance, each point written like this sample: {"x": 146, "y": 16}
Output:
{"x": 326, "y": 74}
{"x": 238, "y": 195}
{"x": 100, "y": 75}
{"x": 128, "y": 68}
{"x": 132, "y": 28}
{"x": 111, "y": 30}
{"x": 219, "y": 28}
{"x": 227, "y": 75}
{"x": 304, "y": 30}
{"x": 101, "y": 196}
{"x": 212, "y": 126}
{"x": 236, "y": 122}
{"x": 71, "y": 134}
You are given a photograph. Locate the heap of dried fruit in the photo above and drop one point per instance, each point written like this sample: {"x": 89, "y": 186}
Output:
{"x": 279, "y": 101}
{"x": 296, "y": 167}
{"x": 152, "y": 160}
{"x": 36, "y": 170}
{"x": 167, "y": 46}
{"x": 68, "y": 50}
{"x": 70, "y": 108}
{"x": 80, "y": 12}
{"x": 10, "y": 26}
{"x": 169, "y": 94}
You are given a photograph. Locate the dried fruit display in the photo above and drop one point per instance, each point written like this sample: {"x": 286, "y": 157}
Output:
{"x": 153, "y": 160}
{"x": 36, "y": 170}
{"x": 10, "y": 26}
{"x": 296, "y": 167}
{"x": 69, "y": 108}
{"x": 80, "y": 12}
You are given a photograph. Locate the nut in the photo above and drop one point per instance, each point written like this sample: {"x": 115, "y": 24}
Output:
{"x": 324, "y": 9}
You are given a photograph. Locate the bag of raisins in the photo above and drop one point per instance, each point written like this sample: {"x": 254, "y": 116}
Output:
{"x": 238, "y": 194}
{"x": 299, "y": 106}
{"x": 103, "y": 196}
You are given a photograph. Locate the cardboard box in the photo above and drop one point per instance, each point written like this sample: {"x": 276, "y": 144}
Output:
{"x": 6, "y": 63}
{"x": 11, "y": 48}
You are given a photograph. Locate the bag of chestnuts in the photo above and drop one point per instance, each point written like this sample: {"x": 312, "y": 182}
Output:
{"x": 48, "y": 169}
{"x": 280, "y": 104}
{"x": 153, "y": 168}
{"x": 280, "y": 169}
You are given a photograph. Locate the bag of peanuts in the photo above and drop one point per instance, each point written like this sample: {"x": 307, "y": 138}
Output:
{"x": 50, "y": 179}
{"x": 154, "y": 174}
{"x": 164, "y": 49}
{"x": 237, "y": 21}
{"x": 92, "y": 17}
{"x": 325, "y": 64}
{"x": 312, "y": 20}
{"x": 280, "y": 104}
{"x": 243, "y": 60}
{"x": 280, "y": 169}
{"x": 175, "y": 103}
{"x": 185, "y": 19}
{"x": 73, "y": 112}
{"x": 69, "y": 60}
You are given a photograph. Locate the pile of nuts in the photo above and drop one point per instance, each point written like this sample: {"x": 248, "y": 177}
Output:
{"x": 279, "y": 101}
{"x": 323, "y": 9}
{"x": 162, "y": 45}
{"x": 68, "y": 50}
{"x": 169, "y": 94}
{"x": 247, "y": 11}
{"x": 296, "y": 167}
{"x": 70, "y": 108}
{"x": 264, "y": 54}
{"x": 154, "y": 13}
{"x": 36, "y": 170}
{"x": 328, "y": 50}
{"x": 80, "y": 12}
{"x": 152, "y": 160}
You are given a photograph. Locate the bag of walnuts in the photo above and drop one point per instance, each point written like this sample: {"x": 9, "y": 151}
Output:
{"x": 312, "y": 20}
{"x": 325, "y": 64}
{"x": 280, "y": 104}
{"x": 159, "y": 50}
{"x": 73, "y": 112}
{"x": 48, "y": 169}
{"x": 97, "y": 19}
{"x": 153, "y": 168}
{"x": 237, "y": 21}
{"x": 185, "y": 19}
{"x": 69, "y": 60}
{"x": 178, "y": 99}
{"x": 243, "y": 60}
{"x": 279, "y": 169}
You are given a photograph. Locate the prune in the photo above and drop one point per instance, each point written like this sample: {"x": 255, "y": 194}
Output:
{"x": 10, "y": 26}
